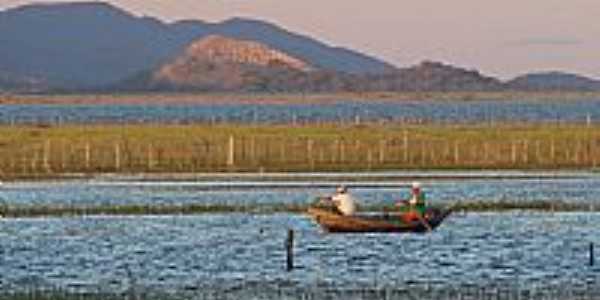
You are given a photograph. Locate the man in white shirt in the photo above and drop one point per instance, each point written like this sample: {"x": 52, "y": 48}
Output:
{"x": 344, "y": 201}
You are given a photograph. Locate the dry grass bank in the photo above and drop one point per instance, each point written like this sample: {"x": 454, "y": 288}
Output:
{"x": 48, "y": 151}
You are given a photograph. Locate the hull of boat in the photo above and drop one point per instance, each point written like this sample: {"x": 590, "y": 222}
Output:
{"x": 334, "y": 222}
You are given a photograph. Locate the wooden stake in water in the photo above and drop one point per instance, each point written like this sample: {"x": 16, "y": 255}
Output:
{"x": 117, "y": 157}
{"x": 289, "y": 246}
{"x": 231, "y": 152}
{"x": 47, "y": 156}
{"x": 309, "y": 153}
{"x": 591, "y": 254}
{"x": 150, "y": 158}
{"x": 382, "y": 146}
{"x": 456, "y": 154}
{"x": 405, "y": 146}
{"x": 87, "y": 156}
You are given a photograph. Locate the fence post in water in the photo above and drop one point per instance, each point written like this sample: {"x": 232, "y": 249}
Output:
{"x": 150, "y": 158}
{"x": 514, "y": 152}
{"x": 282, "y": 153}
{"x": 47, "y": 156}
{"x": 526, "y": 151}
{"x": 289, "y": 246}
{"x": 552, "y": 152}
{"x": 342, "y": 150}
{"x": 34, "y": 160}
{"x": 252, "y": 150}
{"x": 423, "y": 153}
{"x": 231, "y": 153}
{"x": 87, "y": 155}
{"x": 309, "y": 152}
{"x": 456, "y": 154}
{"x": 117, "y": 157}
{"x": 591, "y": 254}
{"x": 486, "y": 152}
{"x": 537, "y": 153}
{"x": 405, "y": 146}
{"x": 382, "y": 146}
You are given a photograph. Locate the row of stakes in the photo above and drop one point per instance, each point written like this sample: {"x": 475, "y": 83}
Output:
{"x": 289, "y": 245}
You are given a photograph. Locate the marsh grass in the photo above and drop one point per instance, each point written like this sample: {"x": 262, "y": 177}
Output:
{"x": 46, "y": 152}
{"x": 32, "y": 211}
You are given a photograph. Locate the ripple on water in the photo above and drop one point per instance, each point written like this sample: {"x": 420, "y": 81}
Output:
{"x": 178, "y": 252}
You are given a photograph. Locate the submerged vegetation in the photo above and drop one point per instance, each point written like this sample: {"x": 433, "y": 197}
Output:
{"x": 46, "y": 151}
{"x": 32, "y": 211}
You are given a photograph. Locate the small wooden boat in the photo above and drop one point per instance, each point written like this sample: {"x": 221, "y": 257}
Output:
{"x": 393, "y": 222}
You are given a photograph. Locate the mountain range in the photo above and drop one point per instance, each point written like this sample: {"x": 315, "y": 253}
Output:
{"x": 95, "y": 46}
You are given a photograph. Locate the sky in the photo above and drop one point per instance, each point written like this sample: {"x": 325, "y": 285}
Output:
{"x": 500, "y": 38}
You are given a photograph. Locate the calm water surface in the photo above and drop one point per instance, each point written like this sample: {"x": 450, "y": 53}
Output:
{"x": 431, "y": 111}
{"x": 183, "y": 253}
{"x": 249, "y": 192}
{"x": 190, "y": 253}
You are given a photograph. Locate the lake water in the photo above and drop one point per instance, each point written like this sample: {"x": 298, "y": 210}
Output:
{"x": 234, "y": 252}
{"x": 572, "y": 188}
{"x": 345, "y": 111}
{"x": 221, "y": 252}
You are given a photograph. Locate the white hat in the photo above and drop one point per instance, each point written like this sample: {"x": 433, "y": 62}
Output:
{"x": 341, "y": 189}
{"x": 416, "y": 185}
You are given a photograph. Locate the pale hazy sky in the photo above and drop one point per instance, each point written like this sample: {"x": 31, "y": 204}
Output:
{"x": 502, "y": 38}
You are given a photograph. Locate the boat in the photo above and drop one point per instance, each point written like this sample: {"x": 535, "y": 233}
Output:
{"x": 383, "y": 222}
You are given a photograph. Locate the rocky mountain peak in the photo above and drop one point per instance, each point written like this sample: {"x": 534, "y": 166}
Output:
{"x": 220, "y": 49}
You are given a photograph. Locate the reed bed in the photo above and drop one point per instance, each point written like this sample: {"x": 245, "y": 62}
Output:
{"x": 32, "y": 211}
{"x": 46, "y": 152}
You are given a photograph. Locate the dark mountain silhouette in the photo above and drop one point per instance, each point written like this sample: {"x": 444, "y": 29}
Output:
{"x": 429, "y": 76}
{"x": 553, "y": 81}
{"x": 83, "y": 44}
{"x": 10, "y": 83}
{"x": 94, "y": 44}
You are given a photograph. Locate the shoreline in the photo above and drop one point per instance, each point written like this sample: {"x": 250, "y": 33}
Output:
{"x": 358, "y": 178}
{"x": 187, "y": 98}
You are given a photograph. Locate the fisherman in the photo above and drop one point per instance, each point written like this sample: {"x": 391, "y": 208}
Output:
{"x": 344, "y": 201}
{"x": 416, "y": 203}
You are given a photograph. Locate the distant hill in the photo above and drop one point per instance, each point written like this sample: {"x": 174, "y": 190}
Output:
{"x": 317, "y": 53}
{"x": 224, "y": 64}
{"x": 553, "y": 81}
{"x": 94, "y": 46}
{"x": 76, "y": 45}
{"x": 430, "y": 76}
{"x": 217, "y": 63}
